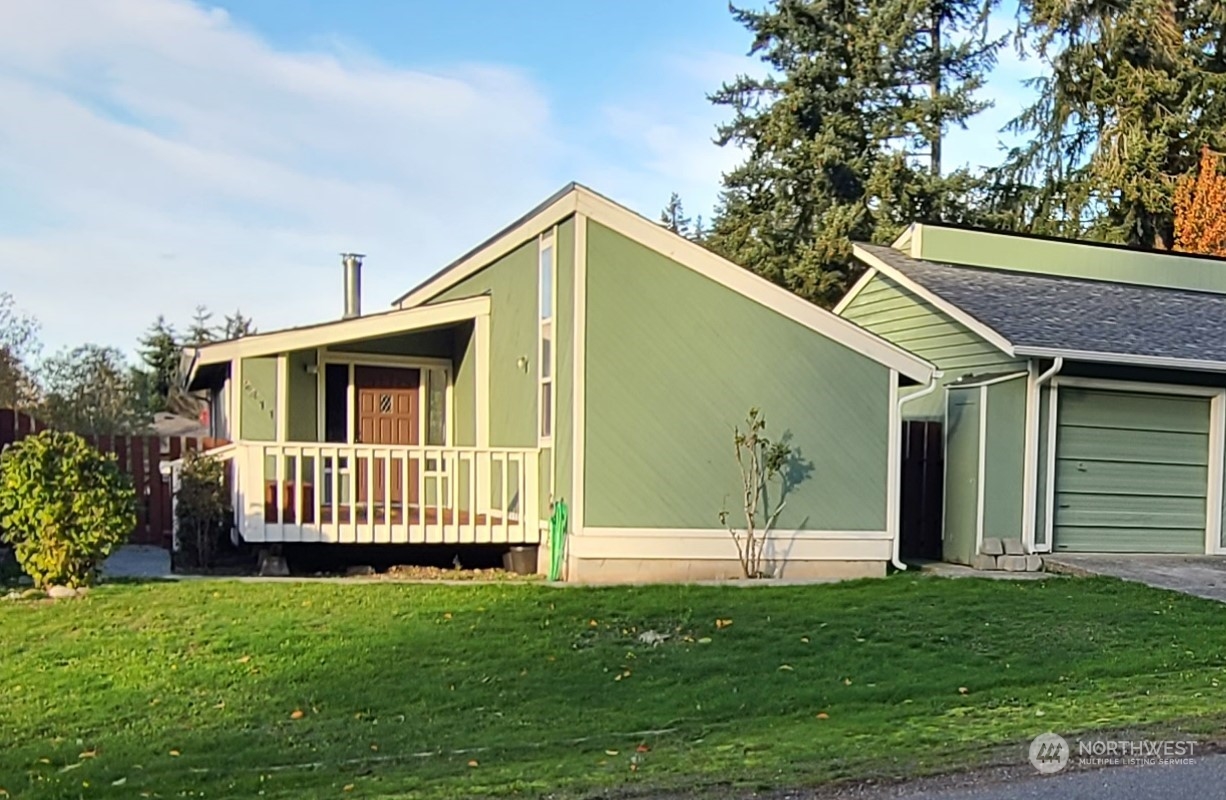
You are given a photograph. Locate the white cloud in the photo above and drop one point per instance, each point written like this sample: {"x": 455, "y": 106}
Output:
{"x": 155, "y": 155}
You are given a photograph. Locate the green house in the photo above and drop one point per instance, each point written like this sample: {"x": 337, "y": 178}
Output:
{"x": 1083, "y": 387}
{"x": 584, "y": 356}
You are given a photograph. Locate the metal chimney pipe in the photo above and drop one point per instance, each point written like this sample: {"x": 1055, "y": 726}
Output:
{"x": 353, "y": 284}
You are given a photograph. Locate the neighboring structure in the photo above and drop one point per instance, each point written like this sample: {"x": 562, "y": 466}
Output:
{"x": 1084, "y": 385}
{"x": 583, "y": 354}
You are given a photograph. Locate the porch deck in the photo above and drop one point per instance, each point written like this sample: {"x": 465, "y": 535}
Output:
{"x": 386, "y": 494}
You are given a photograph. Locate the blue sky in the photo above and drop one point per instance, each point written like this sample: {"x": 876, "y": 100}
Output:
{"x": 156, "y": 154}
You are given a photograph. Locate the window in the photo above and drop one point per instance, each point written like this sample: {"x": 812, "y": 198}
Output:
{"x": 545, "y": 354}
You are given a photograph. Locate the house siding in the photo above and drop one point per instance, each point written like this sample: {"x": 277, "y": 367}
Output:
{"x": 1070, "y": 259}
{"x": 894, "y": 313}
{"x": 675, "y": 360}
{"x": 302, "y": 405}
{"x": 511, "y": 283}
{"x": 962, "y": 443}
{"x": 1004, "y": 464}
{"x": 257, "y": 405}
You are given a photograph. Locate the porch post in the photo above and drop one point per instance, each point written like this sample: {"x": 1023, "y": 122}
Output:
{"x": 283, "y": 397}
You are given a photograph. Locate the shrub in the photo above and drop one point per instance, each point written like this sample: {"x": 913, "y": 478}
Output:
{"x": 63, "y": 507}
{"x": 202, "y": 510}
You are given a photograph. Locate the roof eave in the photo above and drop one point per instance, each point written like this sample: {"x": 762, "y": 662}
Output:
{"x": 1123, "y": 359}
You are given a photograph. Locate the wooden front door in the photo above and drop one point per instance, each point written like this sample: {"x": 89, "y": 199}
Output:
{"x": 388, "y": 412}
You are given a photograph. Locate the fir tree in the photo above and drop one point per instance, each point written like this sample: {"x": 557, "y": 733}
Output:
{"x": 200, "y": 331}
{"x": 673, "y": 216}
{"x": 1133, "y": 91}
{"x": 236, "y": 326}
{"x": 843, "y": 136}
{"x": 159, "y": 350}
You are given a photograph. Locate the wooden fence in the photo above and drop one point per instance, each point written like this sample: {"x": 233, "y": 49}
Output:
{"x": 923, "y": 490}
{"x": 139, "y": 457}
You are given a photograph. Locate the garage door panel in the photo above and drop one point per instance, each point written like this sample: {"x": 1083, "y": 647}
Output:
{"x": 1127, "y": 411}
{"x": 1118, "y": 478}
{"x": 1130, "y": 540}
{"x": 1144, "y": 447}
{"x": 1130, "y": 511}
{"x": 1131, "y": 472}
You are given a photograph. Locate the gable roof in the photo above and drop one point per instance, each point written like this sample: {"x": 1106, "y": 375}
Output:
{"x": 1047, "y": 316}
{"x": 577, "y": 199}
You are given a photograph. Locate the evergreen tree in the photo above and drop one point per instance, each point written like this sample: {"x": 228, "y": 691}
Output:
{"x": 237, "y": 326}
{"x": 91, "y": 390}
{"x": 201, "y": 330}
{"x": 673, "y": 216}
{"x": 159, "y": 350}
{"x": 843, "y": 136}
{"x": 1133, "y": 91}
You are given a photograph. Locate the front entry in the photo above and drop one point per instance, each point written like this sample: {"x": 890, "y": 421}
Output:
{"x": 387, "y": 401}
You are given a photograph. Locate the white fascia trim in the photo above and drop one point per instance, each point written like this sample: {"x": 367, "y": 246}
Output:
{"x": 1217, "y": 466}
{"x": 903, "y": 240}
{"x": 854, "y": 291}
{"x": 747, "y": 284}
{"x": 1123, "y": 359}
{"x": 529, "y": 229}
{"x": 346, "y": 330}
{"x": 978, "y": 328}
{"x": 618, "y": 218}
{"x": 1136, "y": 387}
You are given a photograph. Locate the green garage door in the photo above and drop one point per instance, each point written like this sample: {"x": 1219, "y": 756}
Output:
{"x": 1131, "y": 472}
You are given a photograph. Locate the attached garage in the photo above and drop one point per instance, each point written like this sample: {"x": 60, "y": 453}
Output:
{"x": 1131, "y": 472}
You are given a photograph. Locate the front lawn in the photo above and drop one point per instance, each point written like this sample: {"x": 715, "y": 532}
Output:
{"x": 229, "y": 689}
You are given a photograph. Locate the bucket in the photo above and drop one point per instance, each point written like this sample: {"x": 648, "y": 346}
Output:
{"x": 520, "y": 560}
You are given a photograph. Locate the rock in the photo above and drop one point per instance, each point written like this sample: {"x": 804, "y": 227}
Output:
{"x": 32, "y": 594}
{"x": 1034, "y": 563}
{"x": 61, "y": 592}
{"x": 25, "y": 580}
{"x": 13, "y": 596}
{"x": 1013, "y": 547}
{"x": 984, "y": 561}
{"x": 1013, "y": 563}
{"x": 992, "y": 547}
{"x": 274, "y": 567}
{"x": 358, "y": 570}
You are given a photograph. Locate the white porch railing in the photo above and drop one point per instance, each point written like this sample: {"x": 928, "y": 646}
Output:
{"x": 386, "y": 494}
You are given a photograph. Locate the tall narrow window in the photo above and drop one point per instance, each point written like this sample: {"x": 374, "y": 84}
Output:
{"x": 545, "y": 354}
{"x": 436, "y": 406}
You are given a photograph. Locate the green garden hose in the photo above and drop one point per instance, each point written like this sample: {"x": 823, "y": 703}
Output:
{"x": 557, "y": 540}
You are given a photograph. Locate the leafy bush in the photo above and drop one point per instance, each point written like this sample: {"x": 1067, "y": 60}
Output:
{"x": 202, "y": 510}
{"x": 63, "y": 507}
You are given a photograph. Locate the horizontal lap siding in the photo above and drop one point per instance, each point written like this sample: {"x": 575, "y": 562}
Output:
{"x": 895, "y": 313}
{"x": 675, "y": 360}
{"x": 1131, "y": 472}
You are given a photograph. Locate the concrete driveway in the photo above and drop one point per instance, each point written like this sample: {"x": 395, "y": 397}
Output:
{"x": 1202, "y": 576}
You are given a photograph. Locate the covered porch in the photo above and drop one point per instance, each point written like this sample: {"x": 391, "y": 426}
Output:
{"x": 370, "y": 430}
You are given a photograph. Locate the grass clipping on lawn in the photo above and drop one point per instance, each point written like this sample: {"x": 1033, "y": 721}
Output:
{"x": 305, "y": 689}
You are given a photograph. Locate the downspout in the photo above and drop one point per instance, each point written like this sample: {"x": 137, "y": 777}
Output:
{"x": 1056, "y": 366}
{"x": 1031, "y": 516}
{"x": 927, "y": 390}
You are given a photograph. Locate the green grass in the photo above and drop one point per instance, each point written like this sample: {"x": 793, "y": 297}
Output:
{"x": 188, "y": 689}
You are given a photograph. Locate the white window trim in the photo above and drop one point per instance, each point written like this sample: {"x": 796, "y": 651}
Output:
{"x": 419, "y": 363}
{"x": 548, "y": 239}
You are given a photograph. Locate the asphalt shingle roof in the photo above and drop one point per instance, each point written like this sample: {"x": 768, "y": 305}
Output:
{"x": 1075, "y": 314}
